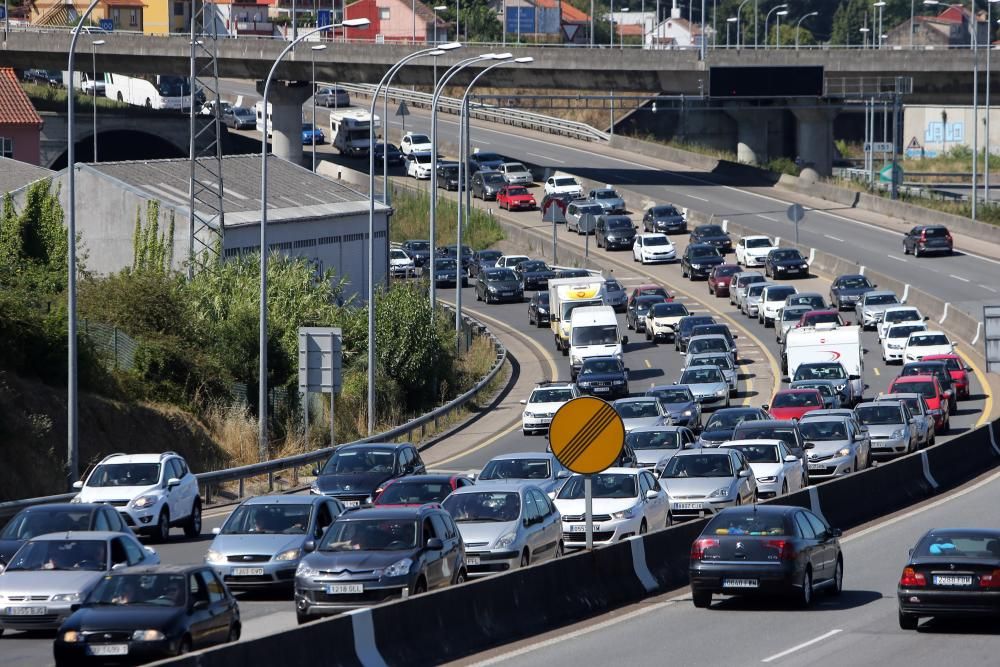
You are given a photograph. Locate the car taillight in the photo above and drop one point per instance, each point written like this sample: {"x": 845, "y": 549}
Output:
{"x": 923, "y": 237}
{"x": 912, "y": 579}
{"x": 784, "y": 548}
{"x": 990, "y": 580}
{"x": 700, "y": 545}
{"x": 948, "y": 236}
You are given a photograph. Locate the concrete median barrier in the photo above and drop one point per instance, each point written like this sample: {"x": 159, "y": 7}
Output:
{"x": 668, "y": 552}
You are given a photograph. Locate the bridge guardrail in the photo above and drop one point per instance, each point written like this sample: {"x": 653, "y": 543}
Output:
{"x": 209, "y": 482}
{"x": 504, "y": 115}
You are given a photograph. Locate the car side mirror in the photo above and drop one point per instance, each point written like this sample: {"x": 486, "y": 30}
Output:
{"x": 118, "y": 566}
{"x": 766, "y": 406}
{"x": 309, "y": 546}
{"x": 523, "y": 402}
{"x": 216, "y": 530}
{"x": 676, "y": 382}
{"x": 172, "y": 482}
{"x": 435, "y": 544}
{"x": 809, "y": 445}
{"x": 791, "y": 458}
{"x": 563, "y": 474}
{"x": 909, "y": 552}
{"x": 78, "y": 484}
{"x": 652, "y": 494}
{"x": 199, "y": 604}
{"x": 968, "y": 369}
{"x": 315, "y": 471}
{"x": 744, "y": 473}
{"x": 836, "y": 532}
{"x": 624, "y": 340}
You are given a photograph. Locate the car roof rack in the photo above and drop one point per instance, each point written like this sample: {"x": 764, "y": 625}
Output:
{"x": 547, "y": 382}
{"x": 164, "y": 455}
{"x": 111, "y": 456}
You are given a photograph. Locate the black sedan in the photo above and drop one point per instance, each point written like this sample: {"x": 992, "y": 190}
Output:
{"x": 699, "y": 259}
{"x": 451, "y": 252}
{"x": 389, "y": 150}
{"x": 766, "y": 550}
{"x": 635, "y": 313}
{"x": 497, "y": 285}
{"x": 573, "y": 273}
{"x": 720, "y": 426}
{"x": 483, "y": 259}
{"x": 538, "y": 309}
{"x": 448, "y": 175}
{"x": 847, "y": 289}
{"x": 712, "y": 235}
{"x": 604, "y": 377}
{"x": 419, "y": 251}
{"x": 446, "y": 273}
{"x": 56, "y": 518}
{"x": 534, "y": 274}
{"x": 146, "y": 614}
{"x": 685, "y": 329}
{"x": 785, "y": 263}
{"x": 952, "y": 572}
{"x": 664, "y": 218}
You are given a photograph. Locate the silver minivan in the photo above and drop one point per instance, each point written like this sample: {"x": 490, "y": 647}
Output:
{"x": 581, "y": 216}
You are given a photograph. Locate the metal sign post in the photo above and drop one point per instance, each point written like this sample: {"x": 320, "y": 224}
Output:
{"x": 588, "y": 510}
{"x": 795, "y": 213}
{"x": 403, "y": 111}
{"x": 320, "y": 359}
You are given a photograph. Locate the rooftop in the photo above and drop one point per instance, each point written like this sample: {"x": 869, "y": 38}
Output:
{"x": 293, "y": 192}
{"x": 15, "y": 107}
{"x": 15, "y": 174}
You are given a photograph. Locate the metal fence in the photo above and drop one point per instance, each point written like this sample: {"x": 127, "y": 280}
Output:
{"x": 116, "y": 347}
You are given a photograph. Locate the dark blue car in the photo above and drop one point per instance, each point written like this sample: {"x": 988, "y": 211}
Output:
{"x": 309, "y": 131}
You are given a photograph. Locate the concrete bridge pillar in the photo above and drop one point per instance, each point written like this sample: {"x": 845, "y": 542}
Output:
{"x": 286, "y": 99}
{"x": 753, "y": 131}
{"x": 814, "y": 141}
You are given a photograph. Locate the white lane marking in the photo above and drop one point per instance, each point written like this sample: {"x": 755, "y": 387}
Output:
{"x": 964, "y": 280}
{"x": 987, "y": 287}
{"x": 833, "y": 238}
{"x": 927, "y": 469}
{"x": 696, "y": 197}
{"x": 779, "y": 656}
{"x": 364, "y": 638}
{"x": 767, "y": 217}
{"x": 646, "y": 577}
{"x": 898, "y": 259}
{"x": 547, "y": 158}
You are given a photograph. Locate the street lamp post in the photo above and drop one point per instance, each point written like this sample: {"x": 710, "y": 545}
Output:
{"x": 881, "y": 6}
{"x": 912, "y": 2}
{"x": 777, "y": 27}
{"x": 93, "y": 85}
{"x": 262, "y": 323}
{"x": 464, "y": 149}
{"x": 611, "y": 26}
{"x": 798, "y": 27}
{"x": 767, "y": 18}
{"x": 739, "y": 10}
{"x": 437, "y": 8}
{"x": 445, "y": 78}
{"x": 729, "y": 23}
{"x": 989, "y": 47}
{"x": 312, "y": 52}
{"x": 371, "y": 219}
{"x": 72, "y": 409}
{"x": 864, "y": 37}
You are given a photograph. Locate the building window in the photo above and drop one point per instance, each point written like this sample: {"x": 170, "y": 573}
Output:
{"x": 133, "y": 17}
{"x": 383, "y": 13}
{"x": 116, "y": 16}
{"x": 7, "y": 147}
{"x": 178, "y": 9}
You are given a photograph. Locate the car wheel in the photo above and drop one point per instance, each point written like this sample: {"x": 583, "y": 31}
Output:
{"x": 804, "y": 597}
{"x": 525, "y": 559}
{"x": 185, "y": 646}
{"x": 234, "y": 633}
{"x": 701, "y": 599}
{"x": 301, "y": 618}
{"x": 784, "y": 488}
{"x": 916, "y": 251}
{"x": 459, "y": 578}
{"x": 419, "y": 587}
{"x": 670, "y": 520}
{"x": 192, "y": 528}
{"x": 908, "y": 621}
{"x": 643, "y": 528}
{"x": 838, "y": 578}
{"x": 559, "y": 550}
{"x": 162, "y": 533}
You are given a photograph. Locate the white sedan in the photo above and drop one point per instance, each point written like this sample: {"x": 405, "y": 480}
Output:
{"x": 563, "y": 184}
{"x": 415, "y": 143}
{"x": 627, "y": 502}
{"x": 543, "y": 403}
{"x": 778, "y": 471}
{"x": 922, "y": 344}
{"x": 653, "y": 247}
{"x": 753, "y": 250}
{"x": 418, "y": 165}
{"x": 895, "y": 337}
{"x": 899, "y": 315}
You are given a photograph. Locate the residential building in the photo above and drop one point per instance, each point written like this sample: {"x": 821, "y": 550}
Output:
{"x": 15, "y": 175}
{"x": 949, "y": 28}
{"x": 396, "y": 21}
{"x": 552, "y": 18}
{"x": 20, "y": 124}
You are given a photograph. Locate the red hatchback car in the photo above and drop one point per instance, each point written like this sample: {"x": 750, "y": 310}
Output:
{"x": 720, "y": 277}
{"x": 793, "y": 403}
{"x": 417, "y": 490}
{"x": 958, "y": 370}
{"x": 515, "y": 198}
{"x": 930, "y": 388}
{"x": 649, "y": 289}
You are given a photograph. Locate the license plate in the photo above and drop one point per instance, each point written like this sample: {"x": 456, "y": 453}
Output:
{"x": 581, "y": 528}
{"x": 881, "y": 445}
{"x": 946, "y": 580}
{"x": 344, "y": 589}
{"x": 26, "y": 611}
{"x": 108, "y": 649}
{"x": 351, "y": 503}
{"x": 472, "y": 560}
{"x": 687, "y": 506}
{"x": 740, "y": 583}
{"x": 600, "y": 390}
{"x": 248, "y": 571}
{"x": 506, "y": 294}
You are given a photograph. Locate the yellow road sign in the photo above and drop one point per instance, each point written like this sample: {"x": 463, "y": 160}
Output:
{"x": 586, "y": 435}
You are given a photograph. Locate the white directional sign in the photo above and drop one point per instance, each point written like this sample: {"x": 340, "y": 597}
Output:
{"x": 878, "y": 147}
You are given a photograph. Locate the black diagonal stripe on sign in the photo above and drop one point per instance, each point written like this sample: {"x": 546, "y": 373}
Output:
{"x": 583, "y": 439}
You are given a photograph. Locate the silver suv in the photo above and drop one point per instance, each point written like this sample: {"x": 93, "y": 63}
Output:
{"x": 153, "y": 492}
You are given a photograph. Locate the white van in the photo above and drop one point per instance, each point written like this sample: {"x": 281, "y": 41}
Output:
{"x": 593, "y": 333}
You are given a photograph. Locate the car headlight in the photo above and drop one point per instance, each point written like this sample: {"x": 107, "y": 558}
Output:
{"x": 66, "y": 597}
{"x": 624, "y": 514}
{"x": 491, "y": 288}
{"x": 843, "y": 451}
{"x": 305, "y": 570}
{"x": 575, "y": 360}
{"x": 543, "y": 311}
{"x": 721, "y": 392}
{"x": 720, "y": 493}
{"x": 781, "y": 268}
{"x": 842, "y": 386}
{"x": 687, "y": 413}
{"x": 290, "y": 554}
{"x": 618, "y": 382}
{"x": 213, "y": 556}
{"x": 585, "y": 383}
{"x": 145, "y": 501}
{"x": 71, "y": 636}
{"x": 529, "y": 415}
{"x": 803, "y": 266}
{"x": 506, "y": 540}
{"x": 147, "y": 636}
{"x": 314, "y": 488}
{"x": 399, "y": 568}
{"x": 76, "y": 499}
{"x": 611, "y": 238}
{"x": 618, "y": 356}
{"x": 696, "y": 266}
{"x": 898, "y": 433}
{"x": 767, "y": 480}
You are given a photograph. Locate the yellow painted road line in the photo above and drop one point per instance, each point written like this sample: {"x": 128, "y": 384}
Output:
{"x": 646, "y": 361}
{"x": 528, "y": 339}
{"x": 486, "y": 443}
{"x": 984, "y": 383}
{"x": 876, "y": 370}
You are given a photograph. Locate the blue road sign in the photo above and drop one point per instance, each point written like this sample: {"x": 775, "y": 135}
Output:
{"x": 107, "y": 25}
{"x": 521, "y": 19}
{"x": 324, "y": 18}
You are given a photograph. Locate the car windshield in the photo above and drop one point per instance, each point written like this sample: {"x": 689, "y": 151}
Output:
{"x": 820, "y": 372}
{"x": 670, "y": 309}
{"x": 914, "y": 404}
{"x": 398, "y": 254}
{"x": 605, "y": 194}
{"x": 822, "y": 387}
{"x": 746, "y": 523}
{"x": 517, "y": 190}
{"x": 699, "y": 465}
{"x": 759, "y": 453}
{"x": 695, "y": 251}
{"x": 784, "y": 254}
{"x": 125, "y": 474}
{"x": 904, "y": 331}
{"x": 779, "y": 293}
{"x": 758, "y": 243}
{"x": 90, "y": 555}
{"x": 749, "y": 431}
{"x": 550, "y": 396}
{"x": 619, "y": 223}
{"x": 796, "y": 399}
{"x": 814, "y": 301}
{"x": 878, "y": 414}
{"x": 487, "y": 157}
{"x": 689, "y": 323}
{"x": 823, "y": 318}
{"x": 902, "y": 316}
{"x": 880, "y": 299}
{"x": 654, "y": 439}
{"x": 307, "y": 127}
{"x": 243, "y": 111}
{"x": 710, "y": 230}
{"x": 565, "y": 182}
{"x": 161, "y": 590}
{"x": 542, "y": 298}
{"x": 721, "y": 360}
{"x": 637, "y": 409}
{"x": 702, "y": 376}
{"x": 725, "y": 271}
{"x": 670, "y": 395}
{"x": 708, "y": 345}
{"x": 956, "y": 544}
{"x": 755, "y": 289}
{"x": 494, "y": 177}
{"x": 422, "y": 245}
{"x": 926, "y": 340}
{"x": 445, "y": 264}
{"x": 500, "y": 275}
{"x": 605, "y": 485}
{"x": 517, "y": 469}
{"x": 792, "y": 314}
{"x": 926, "y": 388}
{"x": 664, "y": 211}
{"x": 414, "y": 491}
{"x": 722, "y": 421}
{"x": 533, "y": 265}
{"x": 599, "y": 366}
{"x": 39, "y": 521}
{"x": 853, "y": 282}
{"x": 276, "y": 519}
{"x": 514, "y": 166}
{"x": 595, "y": 335}
{"x": 489, "y": 256}
{"x": 350, "y": 461}
{"x": 612, "y": 286}
{"x": 642, "y": 306}
{"x": 926, "y": 368}
{"x": 952, "y": 364}
{"x": 448, "y": 169}
{"x": 498, "y": 506}
{"x": 421, "y": 158}
{"x": 656, "y": 240}
{"x": 370, "y": 535}
{"x": 419, "y": 139}
{"x": 818, "y": 429}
